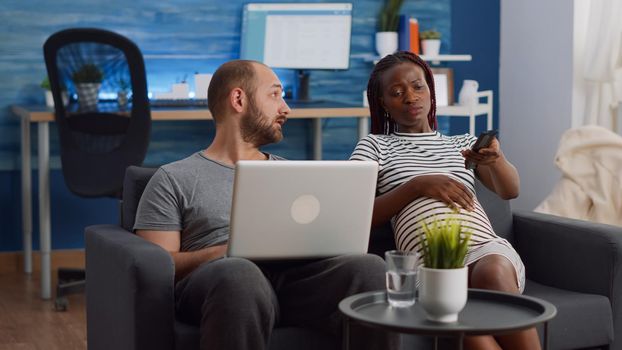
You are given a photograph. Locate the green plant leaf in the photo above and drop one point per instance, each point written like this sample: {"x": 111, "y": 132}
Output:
{"x": 388, "y": 19}
{"x": 88, "y": 73}
{"x": 444, "y": 243}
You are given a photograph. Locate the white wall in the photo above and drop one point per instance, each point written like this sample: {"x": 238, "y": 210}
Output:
{"x": 581, "y": 19}
{"x": 535, "y": 90}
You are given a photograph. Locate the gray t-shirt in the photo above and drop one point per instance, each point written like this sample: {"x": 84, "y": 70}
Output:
{"x": 192, "y": 195}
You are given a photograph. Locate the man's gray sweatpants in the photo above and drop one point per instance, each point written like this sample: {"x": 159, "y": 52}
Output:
{"x": 237, "y": 302}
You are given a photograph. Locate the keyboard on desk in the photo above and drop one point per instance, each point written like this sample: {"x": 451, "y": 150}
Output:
{"x": 178, "y": 103}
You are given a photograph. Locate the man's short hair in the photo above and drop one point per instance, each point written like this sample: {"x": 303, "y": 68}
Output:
{"x": 231, "y": 75}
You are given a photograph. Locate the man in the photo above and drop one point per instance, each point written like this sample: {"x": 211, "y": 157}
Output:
{"x": 185, "y": 209}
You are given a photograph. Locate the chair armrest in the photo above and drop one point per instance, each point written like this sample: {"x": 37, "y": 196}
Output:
{"x": 570, "y": 254}
{"x": 129, "y": 291}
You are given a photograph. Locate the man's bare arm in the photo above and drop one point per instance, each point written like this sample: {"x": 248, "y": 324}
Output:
{"x": 185, "y": 262}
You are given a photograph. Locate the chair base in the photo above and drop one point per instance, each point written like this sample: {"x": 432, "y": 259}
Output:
{"x": 70, "y": 281}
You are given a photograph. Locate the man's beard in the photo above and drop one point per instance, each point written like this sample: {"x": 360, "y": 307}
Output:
{"x": 257, "y": 128}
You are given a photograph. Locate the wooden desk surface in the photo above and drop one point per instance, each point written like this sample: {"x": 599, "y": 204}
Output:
{"x": 38, "y": 114}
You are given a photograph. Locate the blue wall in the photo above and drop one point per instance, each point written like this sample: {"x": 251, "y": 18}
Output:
{"x": 475, "y": 30}
{"x": 200, "y": 35}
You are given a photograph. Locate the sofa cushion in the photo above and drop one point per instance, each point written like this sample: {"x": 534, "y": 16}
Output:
{"x": 582, "y": 321}
{"x": 497, "y": 209}
{"x": 134, "y": 183}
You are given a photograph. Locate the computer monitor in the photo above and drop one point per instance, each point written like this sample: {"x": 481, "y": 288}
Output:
{"x": 300, "y": 36}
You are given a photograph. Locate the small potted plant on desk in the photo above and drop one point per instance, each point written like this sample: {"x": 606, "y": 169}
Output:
{"x": 45, "y": 85}
{"x": 443, "y": 276}
{"x": 49, "y": 99}
{"x": 88, "y": 80}
{"x": 388, "y": 21}
{"x": 431, "y": 42}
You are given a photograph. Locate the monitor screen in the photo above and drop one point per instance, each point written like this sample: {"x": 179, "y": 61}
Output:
{"x": 297, "y": 36}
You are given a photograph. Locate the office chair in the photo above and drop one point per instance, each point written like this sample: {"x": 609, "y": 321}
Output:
{"x": 107, "y": 124}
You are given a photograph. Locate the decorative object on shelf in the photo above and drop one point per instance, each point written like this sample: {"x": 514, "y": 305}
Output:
{"x": 124, "y": 87}
{"x": 444, "y": 86}
{"x": 49, "y": 98}
{"x": 408, "y": 33}
{"x": 468, "y": 93}
{"x": 430, "y": 42}
{"x": 201, "y": 84}
{"x": 443, "y": 276}
{"x": 45, "y": 85}
{"x": 388, "y": 21}
{"x": 88, "y": 80}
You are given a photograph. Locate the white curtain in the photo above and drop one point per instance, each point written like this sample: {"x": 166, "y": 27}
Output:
{"x": 603, "y": 63}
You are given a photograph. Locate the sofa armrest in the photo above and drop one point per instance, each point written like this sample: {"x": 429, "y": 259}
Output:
{"x": 130, "y": 291}
{"x": 570, "y": 254}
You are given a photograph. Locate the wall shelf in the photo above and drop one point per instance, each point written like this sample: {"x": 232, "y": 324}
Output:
{"x": 471, "y": 111}
{"x": 433, "y": 59}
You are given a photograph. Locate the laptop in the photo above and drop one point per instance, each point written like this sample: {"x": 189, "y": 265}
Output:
{"x": 301, "y": 209}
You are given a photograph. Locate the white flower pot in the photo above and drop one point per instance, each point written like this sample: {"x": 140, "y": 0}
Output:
{"x": 386, "y": 43}
{"x": 431, "y": 47}
{"x": 88, "y": 96}
{"x": 443, "y": 293}
{"x": 468, "y": 93}
{"x": 122, "y": 99}
{"x": 49, "y": 99}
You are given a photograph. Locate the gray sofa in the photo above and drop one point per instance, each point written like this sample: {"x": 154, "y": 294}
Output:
{"x": 576, "y": 265}
{"x": 573, "y": 264}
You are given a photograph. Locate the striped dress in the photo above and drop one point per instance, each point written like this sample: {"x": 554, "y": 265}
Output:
{"x": 401, "y": 157}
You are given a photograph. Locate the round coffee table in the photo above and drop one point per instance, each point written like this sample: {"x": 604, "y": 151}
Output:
{"x": 486, "y": 312}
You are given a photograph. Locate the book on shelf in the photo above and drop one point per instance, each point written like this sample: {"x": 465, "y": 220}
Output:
{"x": 414, "y": 35}
{"x": 408, "y": 34}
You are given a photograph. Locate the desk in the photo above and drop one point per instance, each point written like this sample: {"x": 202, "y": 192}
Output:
{"x": 486, "y": 312}
{"x": 43, "y": 116}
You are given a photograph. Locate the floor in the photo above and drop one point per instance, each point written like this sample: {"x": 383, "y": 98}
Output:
{"x": 29, "y": 323}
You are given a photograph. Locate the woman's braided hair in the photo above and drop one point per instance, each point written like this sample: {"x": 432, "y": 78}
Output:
{"x": 381, "y": 122}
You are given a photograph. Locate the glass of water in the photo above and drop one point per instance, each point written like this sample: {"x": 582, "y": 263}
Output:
{"x": 401, "y": 277}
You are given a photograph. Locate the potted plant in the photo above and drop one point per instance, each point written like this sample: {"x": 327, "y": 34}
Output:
{"x": 443, "y": 276}
{"x": 88, "y": 80}
{"x": 45, "y": 85}
{"x": 49, "y": 99}
{"x": 124, "y": 87}
{"x": 430, "y": 42}
{"x": 388, "y": 21}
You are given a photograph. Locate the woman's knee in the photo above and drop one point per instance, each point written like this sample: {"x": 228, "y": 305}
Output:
{"x": 494, "y": 272}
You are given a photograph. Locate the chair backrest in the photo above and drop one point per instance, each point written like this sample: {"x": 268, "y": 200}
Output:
{"x": 136, "y": 179}
{"x": 108, "y": 127}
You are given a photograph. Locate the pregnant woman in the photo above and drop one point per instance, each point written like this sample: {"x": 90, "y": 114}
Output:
{"x": 422, "y": 175}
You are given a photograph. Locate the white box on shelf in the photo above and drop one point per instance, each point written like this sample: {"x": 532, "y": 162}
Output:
{"x": 201, "y": 84}
{"x": 180, "y": 91}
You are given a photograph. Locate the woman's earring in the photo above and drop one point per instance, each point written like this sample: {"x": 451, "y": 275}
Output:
{"x": 387, "y": 116}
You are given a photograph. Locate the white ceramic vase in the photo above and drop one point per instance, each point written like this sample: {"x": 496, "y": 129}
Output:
{"x": 431, "y": 47}
{"x": 468, "y": 92}
{"x": 443, "y": 293}
{"x": 122, "y": 99}
{"x": 386, "y": 43}
{"x": 49, "y": 99}
{"x": 88, "y": 96}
